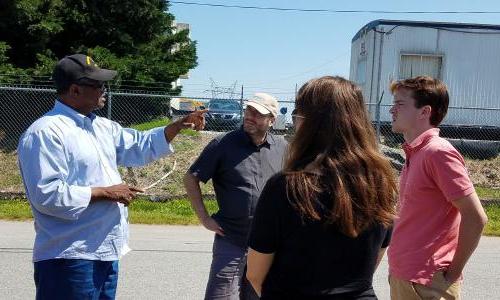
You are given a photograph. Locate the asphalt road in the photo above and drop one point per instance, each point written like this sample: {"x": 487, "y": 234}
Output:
{"x": 172, "y": 262}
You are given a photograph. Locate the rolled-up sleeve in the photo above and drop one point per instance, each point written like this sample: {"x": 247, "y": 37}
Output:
{"x": 137, "y": 148}
{"x": 206, "y": 164}
{"x": 44, "y": 170}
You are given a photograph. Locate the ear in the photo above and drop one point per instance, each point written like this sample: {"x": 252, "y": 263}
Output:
{"x": 271, "y": 121}
{"x": 426, "y": 112}
{"x": 74, "y": 90}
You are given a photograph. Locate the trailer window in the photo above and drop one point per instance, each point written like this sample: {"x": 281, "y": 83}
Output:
{"x": 420, "y": 64}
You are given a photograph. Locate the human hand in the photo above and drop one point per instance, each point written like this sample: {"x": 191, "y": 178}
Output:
{"x": 212, "y": 225}
{"x": 122, "y": 193}
{"x": 195, "y": 120}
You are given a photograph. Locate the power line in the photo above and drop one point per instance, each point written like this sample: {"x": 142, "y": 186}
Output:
{"x": 337, "y": 11}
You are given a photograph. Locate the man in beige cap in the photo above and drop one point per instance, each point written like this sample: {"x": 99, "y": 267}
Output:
{"x": 239, "y": 164}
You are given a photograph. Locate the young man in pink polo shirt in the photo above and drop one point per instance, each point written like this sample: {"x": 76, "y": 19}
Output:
{"x": 440, "y": 216}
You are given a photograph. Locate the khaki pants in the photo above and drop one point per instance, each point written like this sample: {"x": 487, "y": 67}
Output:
{"x": 439, "y": 289}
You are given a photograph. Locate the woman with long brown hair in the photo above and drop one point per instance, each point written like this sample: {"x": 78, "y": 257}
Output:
{"x": 322, "y": 225}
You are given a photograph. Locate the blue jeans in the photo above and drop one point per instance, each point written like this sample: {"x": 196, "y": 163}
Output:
{"x": 226, "y": 280}
{"x": 75, "y": 279}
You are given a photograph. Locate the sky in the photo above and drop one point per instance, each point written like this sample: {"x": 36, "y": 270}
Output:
{"x": 277, "y": 51}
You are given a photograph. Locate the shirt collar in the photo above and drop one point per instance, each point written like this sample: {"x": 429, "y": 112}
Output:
{"x": 68, "y": 111}
{"x": 422, "y": 140}
{"x": 268, "y": 141}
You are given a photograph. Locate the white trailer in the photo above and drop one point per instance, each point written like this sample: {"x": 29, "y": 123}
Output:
{"x": 464, "y": 56}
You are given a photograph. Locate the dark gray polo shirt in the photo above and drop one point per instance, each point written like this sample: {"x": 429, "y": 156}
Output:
{"x": 239, "y": 170}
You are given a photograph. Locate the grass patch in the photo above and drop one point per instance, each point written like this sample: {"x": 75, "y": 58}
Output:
{"x": 487, "y": 193}
{"x": 10, "y": 176}
{"x": 190, "y": 132}
{"x": 182, "y": 145}
{"x": 493, "y": 225}
{"x": 176, "y": 212}
{"x": 179, "y": 212}
{"x": 17, "y": 210}
{"x": 151, "y": 124}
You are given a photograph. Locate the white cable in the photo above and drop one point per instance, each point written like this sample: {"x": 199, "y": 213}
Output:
{"x": 163, "y": 177}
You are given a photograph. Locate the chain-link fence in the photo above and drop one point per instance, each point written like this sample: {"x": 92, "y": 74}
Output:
{"x": 21, "y": 105}
{"x": 474, "y": 131}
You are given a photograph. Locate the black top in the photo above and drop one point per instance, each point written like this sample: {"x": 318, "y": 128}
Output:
{"x": 312, "y": 260}
{"x": 239, "y": 170}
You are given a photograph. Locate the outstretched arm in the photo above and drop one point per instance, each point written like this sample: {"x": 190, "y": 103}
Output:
{"x": 195, "y": 120}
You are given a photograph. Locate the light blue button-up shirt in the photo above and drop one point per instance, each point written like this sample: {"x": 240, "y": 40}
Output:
{"x": 62, "y": 156}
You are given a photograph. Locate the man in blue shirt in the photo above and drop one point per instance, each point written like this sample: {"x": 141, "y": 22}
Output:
{"x": 239, "y": 164}
{"x": 69, "y": 164}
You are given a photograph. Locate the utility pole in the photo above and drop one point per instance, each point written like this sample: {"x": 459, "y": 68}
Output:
{"x": 241, "y": 102}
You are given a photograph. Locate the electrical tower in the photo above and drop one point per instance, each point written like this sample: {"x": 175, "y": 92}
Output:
{"x": 222, "y": 92}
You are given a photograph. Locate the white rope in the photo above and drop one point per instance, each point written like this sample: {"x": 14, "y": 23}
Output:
{"x": 163, "y": 177}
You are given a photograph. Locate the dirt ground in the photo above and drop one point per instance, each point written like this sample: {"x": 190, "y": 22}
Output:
{"x": 485, "y": 173}
{"x": 187, "y": 149}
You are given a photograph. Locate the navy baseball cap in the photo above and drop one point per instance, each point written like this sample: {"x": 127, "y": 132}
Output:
{"x": 74, "y": 67}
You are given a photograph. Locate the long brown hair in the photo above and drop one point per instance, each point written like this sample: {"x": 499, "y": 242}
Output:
{"x": 337, "y": 137}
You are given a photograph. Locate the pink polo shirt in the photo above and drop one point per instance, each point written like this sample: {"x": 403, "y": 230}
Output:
{"x": 426, "y": 231}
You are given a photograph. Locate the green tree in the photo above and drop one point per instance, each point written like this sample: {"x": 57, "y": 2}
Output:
{"x": 135, "y": 37}
{"x": 6, "y": 68}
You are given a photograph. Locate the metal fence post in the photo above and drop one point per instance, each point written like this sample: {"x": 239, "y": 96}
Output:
{"x": 110, "y": 101}
{"x": 377, "y": 116}
{"x": 241, "y": 103}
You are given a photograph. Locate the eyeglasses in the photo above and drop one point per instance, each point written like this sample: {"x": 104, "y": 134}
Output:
{"x": 297, "y": 116}
{"x": 93, "y": 84}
